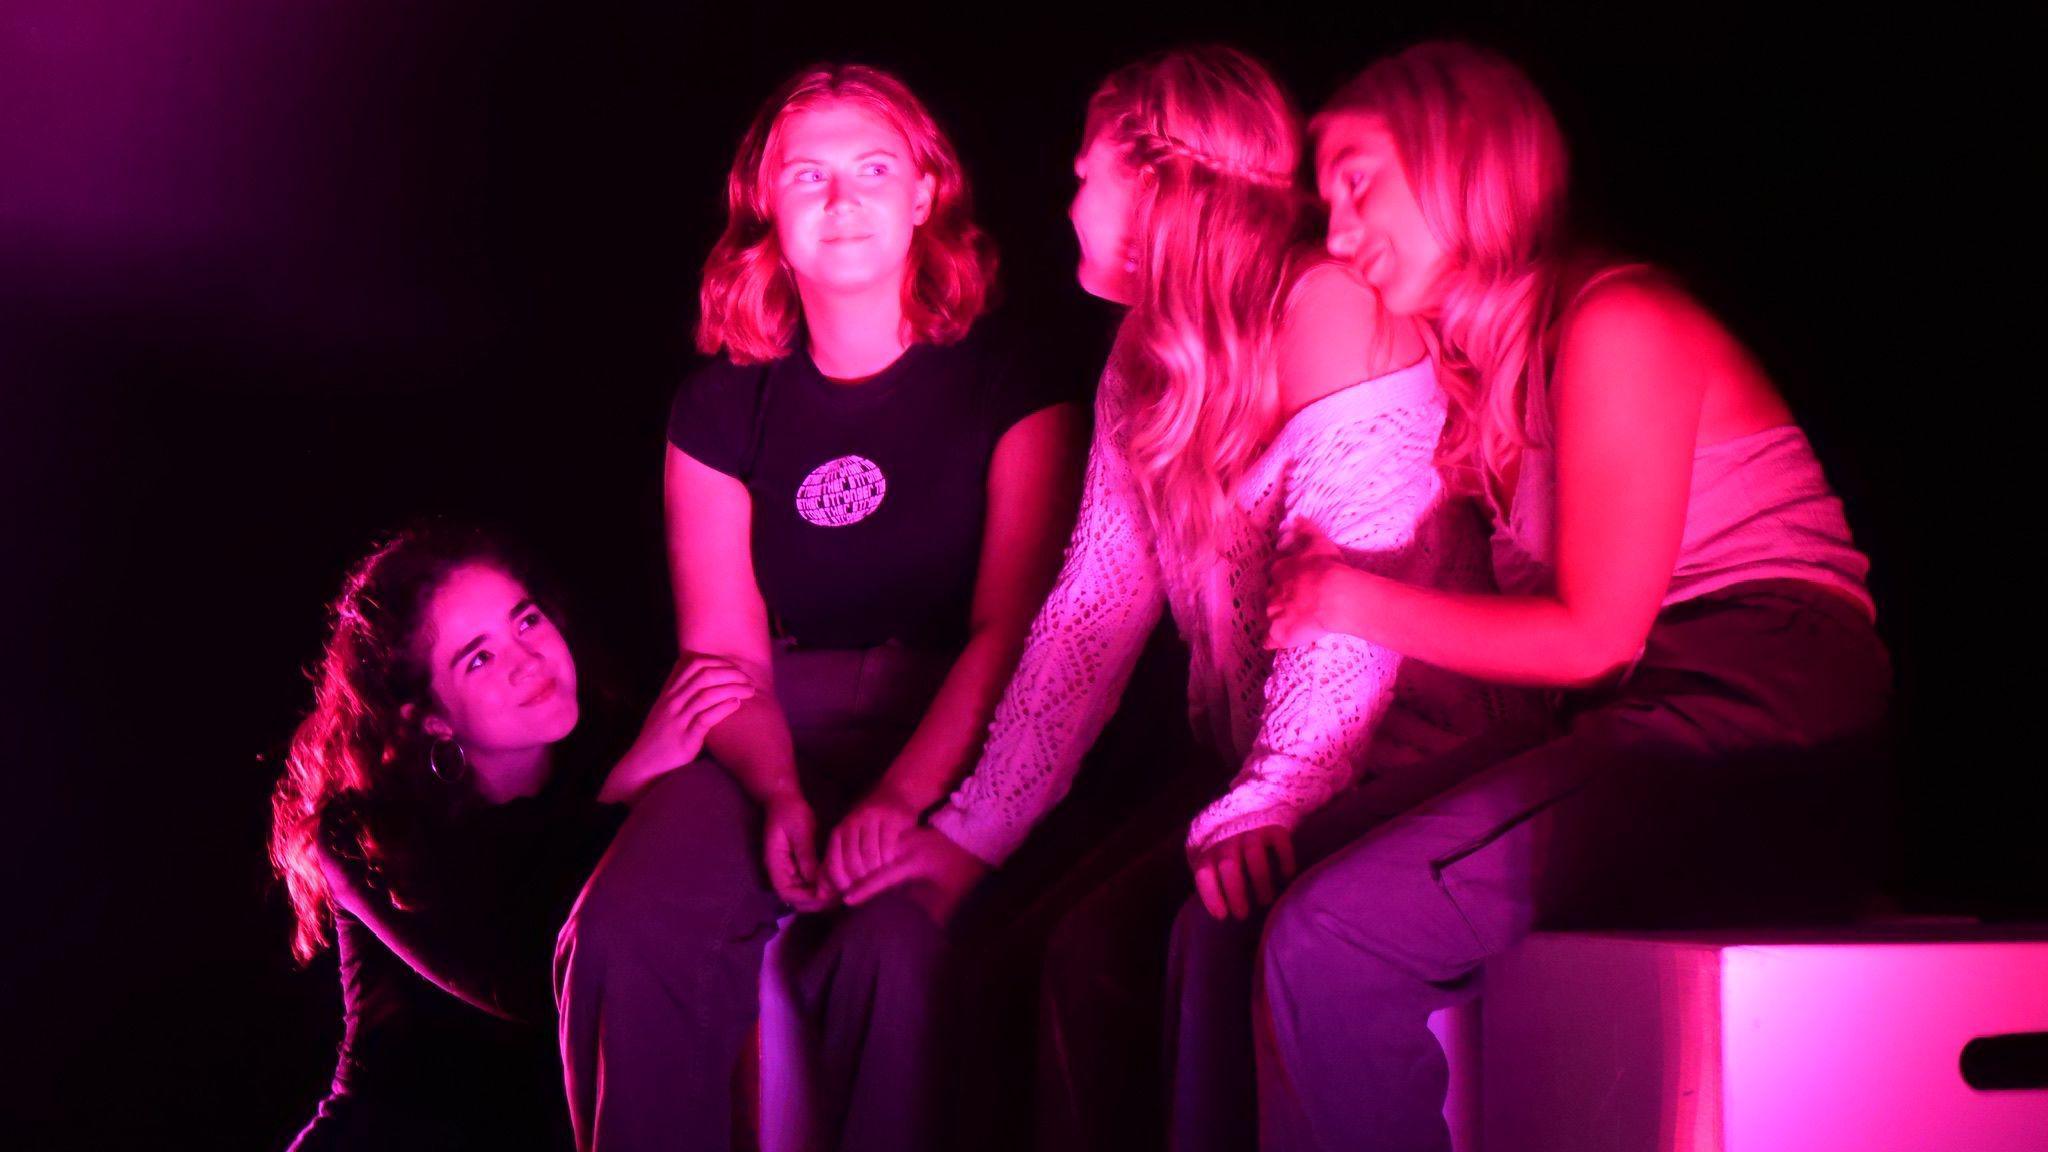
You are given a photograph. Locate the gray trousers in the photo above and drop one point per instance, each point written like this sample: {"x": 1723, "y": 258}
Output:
{"x": 657, "y": 971}
{"x": 1726, "y": 780}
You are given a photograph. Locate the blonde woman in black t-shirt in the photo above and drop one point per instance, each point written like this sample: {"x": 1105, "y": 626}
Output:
{"x": 866, "y": 496}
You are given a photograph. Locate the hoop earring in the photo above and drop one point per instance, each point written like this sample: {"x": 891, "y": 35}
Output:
{"x": 446, "y": 773}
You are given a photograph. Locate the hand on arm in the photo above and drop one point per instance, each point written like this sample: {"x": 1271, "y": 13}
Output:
{"x": 1626, "y": 397}
{"x": 719, "y": 613}
{"x": 1302, "y": 601}
{"x": 700, "y": 692}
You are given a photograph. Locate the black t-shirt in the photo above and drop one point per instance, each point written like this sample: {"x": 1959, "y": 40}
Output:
{"x": 421, "y": 1067}
{"x": 868, "y": 498}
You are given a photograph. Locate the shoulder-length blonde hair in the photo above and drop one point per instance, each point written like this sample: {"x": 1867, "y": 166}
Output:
{"x": 1217, "y": 145}
{"x": 1483, "y": 153}
{"x": 748, "y": 304}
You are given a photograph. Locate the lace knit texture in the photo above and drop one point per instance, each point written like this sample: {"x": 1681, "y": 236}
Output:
{"x": 1356, "y": 464}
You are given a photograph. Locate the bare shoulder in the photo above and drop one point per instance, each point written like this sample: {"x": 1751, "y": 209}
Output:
{"x": 1327, "y": 286}
{"x": 1641, "y": 327}
{"x": 1329, "y": 334}
{"x": 1636, "y": 312}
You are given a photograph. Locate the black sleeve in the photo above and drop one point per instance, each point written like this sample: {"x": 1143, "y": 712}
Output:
{"x": 713, "y": 418}
{"x": 475, "y": 967}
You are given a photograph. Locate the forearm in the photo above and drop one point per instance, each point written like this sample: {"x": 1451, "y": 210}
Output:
{"x": 754, "y": 745}
{"x": 1534, "y": 640}
{"x": 950, "y": 735}
{"x": 492, "y": 985}
{"x": 1067, "y": 684}
{"x": 470, "y": 962}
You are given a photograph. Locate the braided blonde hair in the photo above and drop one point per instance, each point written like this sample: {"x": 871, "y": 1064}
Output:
{"x": 1218, "y": 144}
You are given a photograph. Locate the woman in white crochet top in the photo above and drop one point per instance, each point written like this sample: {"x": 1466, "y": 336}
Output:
{"x": 1251, "y": 392}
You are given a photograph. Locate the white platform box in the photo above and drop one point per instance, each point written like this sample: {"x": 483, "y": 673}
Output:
{"x": 1848, "y": 1041}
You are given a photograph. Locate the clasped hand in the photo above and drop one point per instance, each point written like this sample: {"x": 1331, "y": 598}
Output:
{"x": 877, "y": 847}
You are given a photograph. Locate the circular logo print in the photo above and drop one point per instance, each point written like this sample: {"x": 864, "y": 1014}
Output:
{"x": 841, "y": 492}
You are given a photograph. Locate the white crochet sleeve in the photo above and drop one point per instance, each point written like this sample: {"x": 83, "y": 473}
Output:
{"x": 1083, "y": 645}
{"x": 1367, "y": 481}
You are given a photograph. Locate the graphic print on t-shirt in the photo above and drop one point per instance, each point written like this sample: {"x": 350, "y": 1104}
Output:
{"x": 841, "y": 492}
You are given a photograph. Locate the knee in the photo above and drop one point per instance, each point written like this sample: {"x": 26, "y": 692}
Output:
{"x": 1326, "y": 923}
{"x": 893, "y": 936}
{"x": 1377, "y": 922}
{"x": 1297, "y": 938}
{"x": 698, "y": 793}
{"x": 604, "y": 924}
{"x": 680, "y": 872}
{"x": 1307, "y": 966}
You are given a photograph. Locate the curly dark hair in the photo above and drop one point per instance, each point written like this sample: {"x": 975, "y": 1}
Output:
{"x": 356, "y": 781}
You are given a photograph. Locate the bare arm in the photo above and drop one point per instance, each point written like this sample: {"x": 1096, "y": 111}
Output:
{"x": 720, "y": 613}
{"x": 1337, "y": 334}
{"x": 1034, "y": 484}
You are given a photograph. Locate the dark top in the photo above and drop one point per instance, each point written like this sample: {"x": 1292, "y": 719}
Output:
{"x": 868, "y": 498}
{"x": 448, "y": 1032}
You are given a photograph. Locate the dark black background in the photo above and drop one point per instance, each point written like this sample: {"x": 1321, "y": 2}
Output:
{"x": 276, "y": 276}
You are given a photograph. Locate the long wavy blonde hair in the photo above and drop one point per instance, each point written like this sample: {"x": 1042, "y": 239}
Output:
{"x": 1216, "y": 144}
{"x": 1483, "y": 153}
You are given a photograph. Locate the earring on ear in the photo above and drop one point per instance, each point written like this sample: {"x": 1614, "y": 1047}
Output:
{"x": 449, "y": 768}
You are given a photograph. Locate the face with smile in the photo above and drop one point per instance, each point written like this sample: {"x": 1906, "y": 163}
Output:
{"x": 847, "y": 198}
{"x": 1375, "y": 220}
{"x": 1104, "y": 210}
{"x": 501, "y": 680}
